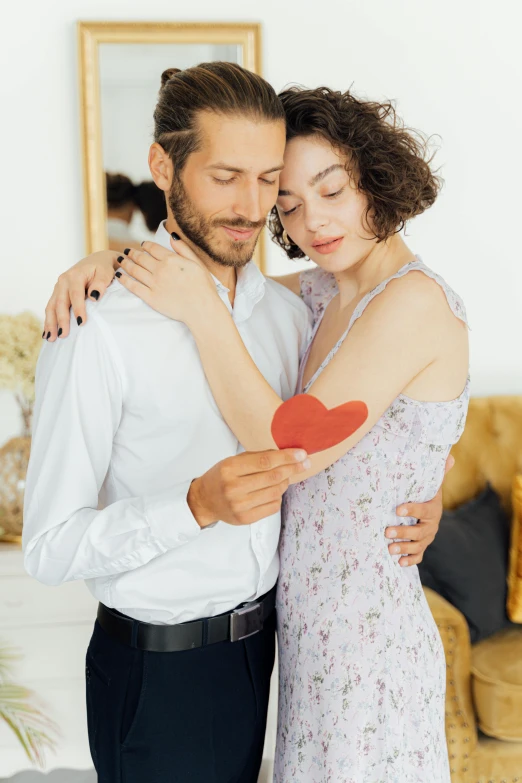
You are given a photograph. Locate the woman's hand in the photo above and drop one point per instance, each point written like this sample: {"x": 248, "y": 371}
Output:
{"x": 89, "y": 277}
{"x": 173, "y": 282}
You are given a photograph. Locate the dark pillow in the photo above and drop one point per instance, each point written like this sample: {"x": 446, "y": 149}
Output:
{"x": 468, "y": 561}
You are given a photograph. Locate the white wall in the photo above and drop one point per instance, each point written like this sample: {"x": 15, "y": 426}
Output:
{"x": 453, "y": 67}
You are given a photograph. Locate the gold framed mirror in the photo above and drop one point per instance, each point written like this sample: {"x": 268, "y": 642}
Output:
{"x": 120, "y": 66}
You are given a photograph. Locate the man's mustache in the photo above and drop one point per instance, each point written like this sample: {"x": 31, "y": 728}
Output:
{"x": 240, "y": 223}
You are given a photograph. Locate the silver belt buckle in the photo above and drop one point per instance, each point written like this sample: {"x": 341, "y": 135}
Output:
{"x": 246, "y": 621}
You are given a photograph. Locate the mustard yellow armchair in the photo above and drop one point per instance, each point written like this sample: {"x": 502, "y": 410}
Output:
{"x": 479, "y": 704}
{"x": 474, "y": 757}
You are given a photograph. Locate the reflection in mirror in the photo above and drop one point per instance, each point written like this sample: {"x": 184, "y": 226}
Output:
{"x": 130, "y": 78}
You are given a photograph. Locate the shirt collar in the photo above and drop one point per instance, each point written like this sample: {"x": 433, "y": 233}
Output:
{"x": 250, "y": 286}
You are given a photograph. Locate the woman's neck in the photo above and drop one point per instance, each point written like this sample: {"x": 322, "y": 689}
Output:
{"x": 383, "y": 260}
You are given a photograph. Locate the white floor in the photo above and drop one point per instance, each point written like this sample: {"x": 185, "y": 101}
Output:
{"x": 52, "y": 627}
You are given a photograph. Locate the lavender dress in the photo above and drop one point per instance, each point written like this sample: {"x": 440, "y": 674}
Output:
{"x": 362, "y": 668}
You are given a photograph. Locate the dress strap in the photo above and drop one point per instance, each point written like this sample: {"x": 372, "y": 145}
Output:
{"x": 454, "y": 301}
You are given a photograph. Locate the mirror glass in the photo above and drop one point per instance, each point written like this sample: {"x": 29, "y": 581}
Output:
{"x": 130, "y": 77}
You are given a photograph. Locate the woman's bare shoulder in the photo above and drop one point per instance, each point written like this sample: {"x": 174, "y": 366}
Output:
{"x": 292, "y": 282}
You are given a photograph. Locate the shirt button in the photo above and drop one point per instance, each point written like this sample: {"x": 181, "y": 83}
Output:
{"x": 259, "y": 535}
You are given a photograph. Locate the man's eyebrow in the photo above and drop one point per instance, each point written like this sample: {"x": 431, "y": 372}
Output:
{"x": 222, "y": 166}
{"x": 316, "y": 178}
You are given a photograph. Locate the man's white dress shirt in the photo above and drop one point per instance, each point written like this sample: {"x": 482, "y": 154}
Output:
{"x": 124, "y": 420}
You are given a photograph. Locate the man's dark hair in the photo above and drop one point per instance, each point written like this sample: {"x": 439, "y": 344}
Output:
{"x": 221, "y": 87}
{"x": 388, "y": 162}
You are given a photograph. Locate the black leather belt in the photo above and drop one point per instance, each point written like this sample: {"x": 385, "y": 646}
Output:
{"x": 233, "y": 626}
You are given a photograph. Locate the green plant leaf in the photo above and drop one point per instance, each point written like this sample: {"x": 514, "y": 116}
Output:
{"x": 34, "y": 730}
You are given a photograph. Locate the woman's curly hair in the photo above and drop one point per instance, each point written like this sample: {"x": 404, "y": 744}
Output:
{"x": 389, "y": 162}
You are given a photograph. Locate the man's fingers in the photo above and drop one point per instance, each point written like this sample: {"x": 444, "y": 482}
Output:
{"x": 417, "y": 532}
{"x": 404, "y": 562}
{"x": 259, "y": 512}
{"x": 449, "y": 463}
{"x": 251, "y": 462}
{"x": 271, "y": 494}
{"x": 425, "y": 511}
{"x": 256, "y": 482}
{"x": 406, "y": 548}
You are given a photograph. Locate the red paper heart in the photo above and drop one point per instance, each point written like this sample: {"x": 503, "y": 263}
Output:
{"x": 303, "y": 422}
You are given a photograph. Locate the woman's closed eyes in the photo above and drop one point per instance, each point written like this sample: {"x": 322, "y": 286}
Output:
{"x": 326, "y": 195}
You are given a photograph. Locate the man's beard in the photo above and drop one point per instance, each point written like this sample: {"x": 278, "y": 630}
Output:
{"x": 199, "y": 230}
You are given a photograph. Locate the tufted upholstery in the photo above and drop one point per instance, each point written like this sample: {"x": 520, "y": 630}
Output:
{"x": 490, "y": 450}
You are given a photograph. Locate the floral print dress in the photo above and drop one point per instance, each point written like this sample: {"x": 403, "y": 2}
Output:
{"x": 362, "y": 668}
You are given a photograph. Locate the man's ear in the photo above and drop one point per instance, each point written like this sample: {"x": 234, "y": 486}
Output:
{"x": 161, "y": 167}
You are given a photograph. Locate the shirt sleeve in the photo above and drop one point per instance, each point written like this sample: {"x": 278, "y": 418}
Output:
{"x": 78, "y": 407}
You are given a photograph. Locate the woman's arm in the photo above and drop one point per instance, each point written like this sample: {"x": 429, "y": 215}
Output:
{"x": 390, "y": 344}
{"x": 90, "y": 277}
{"x": 402, "y": 331}
{"x": 94, "y": 274}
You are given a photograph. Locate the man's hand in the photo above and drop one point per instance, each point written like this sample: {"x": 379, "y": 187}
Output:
{"x": 417, "y": 537}
{"x": 243, "y": 489}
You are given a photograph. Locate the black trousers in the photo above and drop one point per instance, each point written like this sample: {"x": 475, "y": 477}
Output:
{"x": 197, "y": 716}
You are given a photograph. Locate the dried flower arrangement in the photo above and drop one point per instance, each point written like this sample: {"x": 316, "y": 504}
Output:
{"x": 20, "y": 344}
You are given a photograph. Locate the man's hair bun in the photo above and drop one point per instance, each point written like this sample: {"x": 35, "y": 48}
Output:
{"x": 168, "y": 74}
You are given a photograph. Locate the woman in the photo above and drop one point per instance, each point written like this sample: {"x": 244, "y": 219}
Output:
{"x": 362, "y": 687}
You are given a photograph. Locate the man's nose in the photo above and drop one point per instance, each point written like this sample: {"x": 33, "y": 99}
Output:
{"x": 248, "y": 206}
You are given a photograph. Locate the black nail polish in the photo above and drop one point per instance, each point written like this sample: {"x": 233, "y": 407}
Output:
{"x": 95, "y": 295}
{"x": 79, "y": 320}
{"x": 126, "y": 251}
{"x": 60, "y": 330}
{"x": 118, "y": 274}
{"x": 43, "y": 334}
{"x": 175, "y": 236}
{"x": 120, "y": 259}
{"x": 48, "y": 335}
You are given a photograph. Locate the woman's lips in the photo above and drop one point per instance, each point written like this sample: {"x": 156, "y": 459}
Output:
{"x": 239, "y": 234}
{"x": 328, "y": 247}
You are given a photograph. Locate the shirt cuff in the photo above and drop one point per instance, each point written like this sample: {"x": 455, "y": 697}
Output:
{"x": 170, "y": 518}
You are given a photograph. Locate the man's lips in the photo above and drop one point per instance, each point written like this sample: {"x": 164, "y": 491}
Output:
{"x": 239, "y": 234}
{"x": 327, "y": 245}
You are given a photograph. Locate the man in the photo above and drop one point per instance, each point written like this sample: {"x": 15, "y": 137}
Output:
{"x": 135, "y": 482}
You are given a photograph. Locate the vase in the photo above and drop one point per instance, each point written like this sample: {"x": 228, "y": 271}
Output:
{"x": 14, "y": 459}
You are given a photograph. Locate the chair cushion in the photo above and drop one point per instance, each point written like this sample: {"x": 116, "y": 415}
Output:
{"x": 497, "y": 684}
{"x": 514, "y": 601}
{"x": 467, "y": 563}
